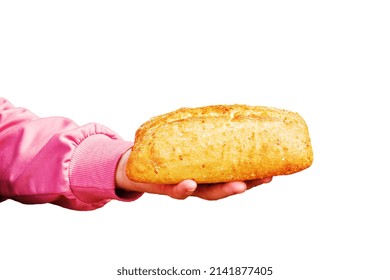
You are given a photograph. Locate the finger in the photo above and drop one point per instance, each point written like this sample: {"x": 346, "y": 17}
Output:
{"x": 184, "y": 189}
{"x": 179, "y": 191}
{"x": 253, "y": 183}
{"x": 218, "y": 191}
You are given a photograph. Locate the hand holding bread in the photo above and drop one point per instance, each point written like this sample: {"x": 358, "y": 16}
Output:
{"x": 185, "y": 188}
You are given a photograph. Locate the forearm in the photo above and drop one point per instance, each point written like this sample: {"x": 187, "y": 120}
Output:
{"x": 54, "y": 160}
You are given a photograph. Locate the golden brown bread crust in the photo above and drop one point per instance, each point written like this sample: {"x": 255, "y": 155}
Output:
{"x": 220, "y": 143}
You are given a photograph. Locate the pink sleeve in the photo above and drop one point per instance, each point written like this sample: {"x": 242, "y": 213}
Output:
{"x": 53, "y": 160}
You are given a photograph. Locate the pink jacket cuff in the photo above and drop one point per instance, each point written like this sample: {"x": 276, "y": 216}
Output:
{"x": 92, "y": 169}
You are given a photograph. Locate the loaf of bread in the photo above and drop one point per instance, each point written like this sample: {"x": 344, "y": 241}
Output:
{"x": 220, "y": 143}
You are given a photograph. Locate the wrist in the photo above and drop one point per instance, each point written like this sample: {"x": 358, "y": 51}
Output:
{"x": 93, "y": 168}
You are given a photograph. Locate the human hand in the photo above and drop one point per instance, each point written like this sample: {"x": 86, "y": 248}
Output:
{"x": 185, "y": 188}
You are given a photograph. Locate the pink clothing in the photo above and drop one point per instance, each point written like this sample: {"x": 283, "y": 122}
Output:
{"x": 53, "y": 160}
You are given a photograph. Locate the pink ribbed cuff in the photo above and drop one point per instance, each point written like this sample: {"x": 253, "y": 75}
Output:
{"x": 92, "y": 169}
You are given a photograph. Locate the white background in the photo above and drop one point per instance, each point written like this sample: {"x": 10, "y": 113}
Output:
{"x": 119, "y": 63}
